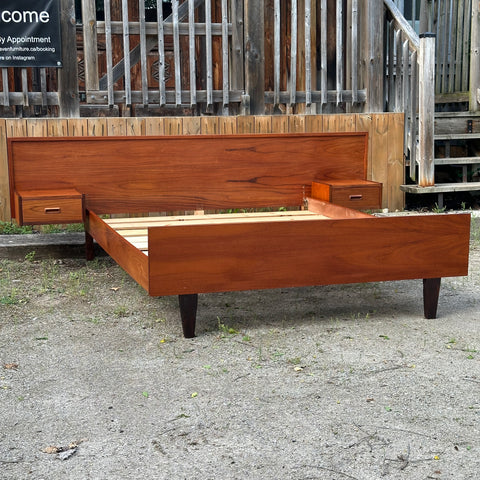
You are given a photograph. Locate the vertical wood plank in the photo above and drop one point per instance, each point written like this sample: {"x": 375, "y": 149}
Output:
{"x": 280, "y": 124}
{"x": 161, "y": 54}
{"x": 176, "y": 54}
{"x": 126, "y": 55}
{"x": 398, "y": 72}
{"x": 135, "y": 126}
{"x": 466, "y": 43}
{"x": 237, "y": 65}
{"x": 209, "y": 55}
{"x": 308, "y": 53}
{"x": 209, "y": 125}
{"x": 380, "y": 147}
{"x": 354, "y": 54}
{"x": 364, "y": 124}
{"x": 5, "y": 92}
{"x": 406, "y": 79}
{"x": 453, "y": 46}
{"x": 313, "y": 124}
{"x": 5, "y": 214}
{"x": 77, "y": 127}
{"x": 323, "y": 52}
{"x": 67, "y": 76}
{"x": 116, "y": 127}
{"x": 475, "y": 59}
{"x": 276, "y": 53}
{"x": 246, "y": 124}
{"x": 191, "y": 52}
{"x": 237, "y": 56}
{"x": 90, "y": 47}
{"x": 406, "y": 89}
{"x": 191, "y": 126}
{"x": 43, "y": 86}
{"x": 143, "y": 51}
{"x": 426, "y": 109}
{"x": 154, "y": 126}
{"x": 225, "y": 58}
{"x": 109, "y": 52}
{"x": 391, "y": 67}
{"x": 339, "y": 123}
{"x": 459, "y": 45}
{"x": 255, "y": 55}
{"x": 57, "y": 127}
{"x": 339, "y": 56}
{"x": 16, "y": 127}
{"x": 296, "y": 123}
{"x": 227, "y": 125}
{"x": 373, "y": 54}
{"x": 97, "y": 127}
{"x": 263, "y": 124}
{"x": 293, "y": 53}
{"x": 37, "y": 127}
{"x": 395, "y": 167}
{"x": 25, "y": 102}
{"x": 173, "y": 125}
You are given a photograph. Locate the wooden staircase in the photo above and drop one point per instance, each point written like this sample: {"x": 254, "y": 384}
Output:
{"x": 457, "y": 156}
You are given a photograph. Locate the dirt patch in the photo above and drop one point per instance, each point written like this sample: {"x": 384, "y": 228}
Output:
{"x": 336, "y": 382}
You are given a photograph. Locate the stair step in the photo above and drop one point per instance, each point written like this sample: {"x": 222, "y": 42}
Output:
{"x": 442, "y": 188}
{"x": 457, "y": 161}
{"x": 457, "y": 136}
{"x": 464, "y": 114}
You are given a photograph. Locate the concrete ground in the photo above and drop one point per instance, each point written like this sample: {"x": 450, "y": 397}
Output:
{"x": 336, "y": 382}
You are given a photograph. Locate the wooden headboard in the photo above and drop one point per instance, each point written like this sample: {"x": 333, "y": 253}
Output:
{"x": 139, "y": 174}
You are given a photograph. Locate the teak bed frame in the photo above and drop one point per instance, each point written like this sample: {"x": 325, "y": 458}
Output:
{"x": 328, "y": 240}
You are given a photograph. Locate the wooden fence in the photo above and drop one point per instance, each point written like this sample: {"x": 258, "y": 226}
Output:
{"x": 223, "y": 56}
{"x": 385, "y": 161}
{"x": 451, "y": 22}
{"x": 226, "y": 53}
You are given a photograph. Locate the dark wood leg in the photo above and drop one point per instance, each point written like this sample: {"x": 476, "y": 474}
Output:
{"x": 431, "y": 290}
{"x": 89, "y": 249}
{"x": 188, "y": 312}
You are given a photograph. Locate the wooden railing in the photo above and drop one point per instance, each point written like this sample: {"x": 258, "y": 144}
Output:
{"x": 202, "y": 56}
{"x": 410, "y": 77}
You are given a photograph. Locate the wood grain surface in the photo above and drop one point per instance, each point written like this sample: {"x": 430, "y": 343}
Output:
{"x": 212, "y": 258}
{"x": 141, "y": 174}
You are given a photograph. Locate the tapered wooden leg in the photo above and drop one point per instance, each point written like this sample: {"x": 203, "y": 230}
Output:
{"x": 431, "y": 290}
{"x": 188, "y": 312}
{"x": 89, "y": 248}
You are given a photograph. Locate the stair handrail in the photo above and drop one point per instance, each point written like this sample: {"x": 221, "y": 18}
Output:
{"x": 410, "y": 77}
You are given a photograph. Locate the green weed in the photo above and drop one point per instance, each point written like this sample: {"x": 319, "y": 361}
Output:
{"x": 30, "y": 256}
{"x": 120, "y": 312}
{"x": 11, "y": 228}
{"x": 437, "y": 209}
{"x": 12, "y": 298}
{"x": 226, "y": 329}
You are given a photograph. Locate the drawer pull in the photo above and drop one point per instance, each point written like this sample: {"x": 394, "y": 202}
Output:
{"x": 356, "y": 197}
{"x": 51, "y": 210}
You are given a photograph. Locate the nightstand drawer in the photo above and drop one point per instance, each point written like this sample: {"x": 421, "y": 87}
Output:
{"x": 358, "y": 194}
{"x": 48, "y": 206}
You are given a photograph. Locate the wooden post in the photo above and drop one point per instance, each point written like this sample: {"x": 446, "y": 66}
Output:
{"x": 475, "y": 58}
{"x": 68, "y": 75}
{"x": 373, "y": 54}
{"x": 90, "y": 48}
{"x": 255, "y": 55}
{"x": 426, "y": 110}
{"x": 236, "y": 57}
